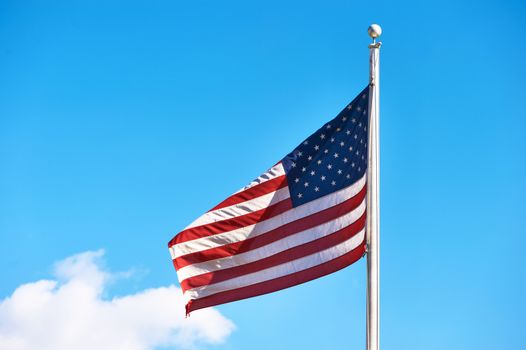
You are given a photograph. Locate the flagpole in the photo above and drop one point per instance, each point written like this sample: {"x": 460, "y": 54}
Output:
{"x": 373, "y": 205}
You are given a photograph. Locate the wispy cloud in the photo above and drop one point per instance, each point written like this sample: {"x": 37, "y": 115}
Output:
{"x": 69, "y": 312}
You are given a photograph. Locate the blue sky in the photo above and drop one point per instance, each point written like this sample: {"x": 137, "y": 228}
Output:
{"x": 121, "y": 122}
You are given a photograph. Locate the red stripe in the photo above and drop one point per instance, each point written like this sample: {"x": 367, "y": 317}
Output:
{"x": 232, "y": 224}
{"x": 279, "y": 283}
{"x": 282, "y": 257}
{"x": 254, "y": 192}
{"x": 273, "y": 235}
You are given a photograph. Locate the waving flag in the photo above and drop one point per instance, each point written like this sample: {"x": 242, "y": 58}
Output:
{"x": 302, "y": 219}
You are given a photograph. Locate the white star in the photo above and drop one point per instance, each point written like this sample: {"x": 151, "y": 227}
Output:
{"x": 338, "y": 129}
{"x": 319, "y": 161}
{"x": 355, "y": 136}
{"x": 306, "y": 184}
{"x": 342, "y": 144}
{"x": 363, "y": 158}
{"x": 348, "y": 132}
{"x": 329, "y": 166}
{"x": 339, "y": 172}
{"x": 293, "y": 165}
{"x": 350, "y": 148}
{"x": 359, "y": 169}
{"x": 349, "y": 107}
{"x": 357, "y": 153}
{"x": 364, "y": 96}
{"x": 364, "y": 111}
{"x": 352, "y": 165}
{"x": 336, "y": 155}
{"x": 332, "y": 139}
{"x": 344, "y": 119}
{"x": 361, "y": 140}
{"x": 309, "y": 157}
{"x": 345, "y": 160}
{"x": 299, "y": 154}
{"x": 360, "y": 125}
{"x": 353, "y": 120}
{"x": 300, "y": 195}
{"x": 306, "y": 142}
{"x": 348, "y": 176}
{"x": 322, "y": 178}
{"x": 316, "y": 147}
{"x": 322, "y": 136}
{"x": 316, "y": 188}
{"x": 358, "y": 108}
{"x": 296, "y": 180}
{"x": 333, "y": 182}
{"x": 313, "y": 173}
{"x": 326, "y": 151}
{"x": 303, "y": 169}
{"x": 328, "y": 126}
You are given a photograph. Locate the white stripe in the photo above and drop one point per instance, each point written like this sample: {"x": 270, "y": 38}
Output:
{"x": 243, "y": 208}
{"x": 294, "y": 240}
{"x": 275, "y": 171}
{"x": 274, "y": 272}
{"x": 265, "y": 226}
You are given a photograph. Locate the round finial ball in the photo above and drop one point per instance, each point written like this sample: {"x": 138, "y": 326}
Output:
{"x": 374, "y": 31}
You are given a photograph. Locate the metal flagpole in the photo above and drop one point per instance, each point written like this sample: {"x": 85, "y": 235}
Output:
{"x": 373, "y": 205}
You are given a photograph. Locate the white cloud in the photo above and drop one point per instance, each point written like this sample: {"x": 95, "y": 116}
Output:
{"x": 69, "y": 313}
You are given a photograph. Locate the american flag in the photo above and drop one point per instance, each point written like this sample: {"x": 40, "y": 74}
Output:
{"x": 302, "y": 219}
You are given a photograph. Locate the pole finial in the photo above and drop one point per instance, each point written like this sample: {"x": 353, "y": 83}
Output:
{"x": 374, "y": 31}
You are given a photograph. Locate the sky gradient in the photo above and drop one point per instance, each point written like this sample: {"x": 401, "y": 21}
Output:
{"x": 121, "y": 122}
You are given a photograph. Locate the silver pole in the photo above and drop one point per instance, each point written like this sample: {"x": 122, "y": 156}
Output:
{"x": 373, "y": 204}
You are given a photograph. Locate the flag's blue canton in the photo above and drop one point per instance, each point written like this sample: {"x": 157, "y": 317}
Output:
{"x": 332, "y": 158}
